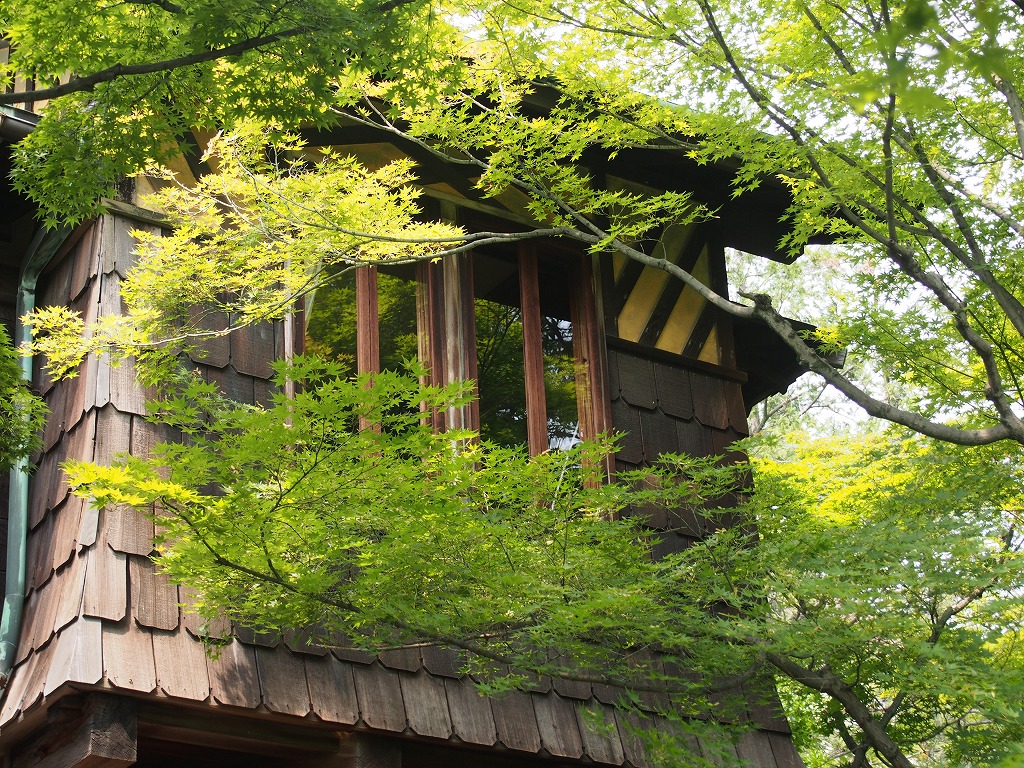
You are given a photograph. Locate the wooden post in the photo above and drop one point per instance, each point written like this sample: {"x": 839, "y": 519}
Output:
{"x": 98, "y": 730}
{"x": 458, "y": 333}
{"x": 591, "y": 361}
{"x": 367, "y": 321}
{"x": 533, "y": 349}
{"x": 367, "y": 329}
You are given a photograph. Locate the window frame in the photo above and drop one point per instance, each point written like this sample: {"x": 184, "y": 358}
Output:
{"x": 447, "y": 342}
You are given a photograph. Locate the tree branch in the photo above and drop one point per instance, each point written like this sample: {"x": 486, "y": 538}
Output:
{"x": 808, "y": 356}
{"x": 89, "y": 82}
{"x": 825, "y": 681}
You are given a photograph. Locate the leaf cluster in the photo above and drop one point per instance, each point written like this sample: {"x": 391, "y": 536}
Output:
{"x": 895, "y": 564}
{"x": 247, "y": 243}
{"x": 22, "y": 413}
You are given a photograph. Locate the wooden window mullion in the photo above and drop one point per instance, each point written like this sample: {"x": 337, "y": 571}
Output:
{"x": 591, "y": 360}
{"x": 533, "y": 350}
{"x": 459, "y": 345}
{"x": 367, "y": 321}
{"x": 367, "y": 329}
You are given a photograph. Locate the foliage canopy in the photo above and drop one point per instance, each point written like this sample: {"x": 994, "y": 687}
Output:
{"x": 885, "y": 589}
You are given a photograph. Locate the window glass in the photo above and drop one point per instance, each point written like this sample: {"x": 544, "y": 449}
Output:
{"x": 331, "y": 327}
{"x": 506, "y": 338}
{"x": 501, "y": 370}
{"x": 560, "y": 382}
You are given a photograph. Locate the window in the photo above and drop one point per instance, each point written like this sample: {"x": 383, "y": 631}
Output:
{"x": 519, "y": 320}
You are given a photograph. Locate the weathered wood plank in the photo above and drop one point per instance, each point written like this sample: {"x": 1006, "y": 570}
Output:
{"x": 79, "y": 445}
{"x": 180, "y": 665}
{"x": 283, "y": 681}
{"x": 234, "y": 677}
{"x": 54, "y": 428}
{"x": 67, "y": 522}
{"x": 404, "y": 659}
{"x": 756, "y": 750}
{"x": 626, "y": 419}
{"x": 55, "y": 286}
{"x": 38, "y": 668}
{"x": 120, "y": 246}
{"x": 17, "y": 684}
{"x": 516, "y": 721}
{"x": 196, "y": 625}
{"x": 601, "y": 740}
{"x": 41, "y": 488}
{"x": 74, "y": 401}
{"x": 629, "y": 723}
{"x": 673, "y": 388}
{"x": 709, "y": 403}
{"x": 352, "y": 655}
{"x": 106, "y": 582}
{"x": 89, "y": 525}
{"x": 77, "y": 655}
{"x": 128, "y": 659}
{"x": 446, "y": 662}
{"x": 126, "y": 391}
{"x": 26, "y": 636}
{"x": 694, "y": 438}
{"x": 659, "y": 435}
{"x": 559, "y": 729}
{"x": 302, "y": 642}
{"x": 332, "y": 690}
{"x": 572, "y": 689}
{"x": 86, "y": 263}
{"x": 785, "y": 753}
{"x": 235, "y": 385}
{"x": 636, "y": 381}
{"x": 154, "y": 596}
{"x": 765, "y": 707}
{"x": 426, "y": 704}
{"x": 145, "y": 436}
{"x": 253, "y": 349}
{"x": 472, "y": 719}
{"x": 46, "y": 612}
{"x": 69, "y": 595}
{"x": 214, "y": 350}
{"x": 129, "y": 530}
{"x": 39, "y": 557}
{"x": 380, "y": 697}
{"x": 737, "y": 408}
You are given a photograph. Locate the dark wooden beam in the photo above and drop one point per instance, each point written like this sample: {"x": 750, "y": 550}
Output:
{"x": 360, "y": 750}
{"x": 82, "y": 732}
{"x": 200, "y": 727}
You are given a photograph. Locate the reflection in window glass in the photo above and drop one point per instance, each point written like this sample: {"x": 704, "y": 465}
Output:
{"x": 499, "y": 344}
{"x": 560, "y": 383}
{"x": 501, "y": 376}
{"x": 331, "y": 328}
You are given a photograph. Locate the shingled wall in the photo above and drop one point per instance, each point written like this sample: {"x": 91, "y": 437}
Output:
{"x": 100, "y": 616}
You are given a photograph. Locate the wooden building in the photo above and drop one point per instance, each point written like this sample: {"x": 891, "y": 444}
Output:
{"x": 108, "y": 667}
